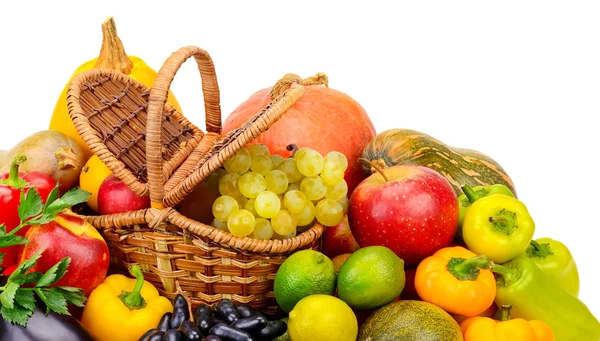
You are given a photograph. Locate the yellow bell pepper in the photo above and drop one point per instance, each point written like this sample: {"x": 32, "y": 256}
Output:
{"x": 112, "y": 56}
{"x": 123, "y": 309}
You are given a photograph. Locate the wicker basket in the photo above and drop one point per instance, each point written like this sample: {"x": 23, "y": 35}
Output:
{"x": 156, "y": 151}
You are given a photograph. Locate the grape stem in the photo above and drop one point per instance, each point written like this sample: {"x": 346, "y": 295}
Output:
{"x": 379, "y": 170}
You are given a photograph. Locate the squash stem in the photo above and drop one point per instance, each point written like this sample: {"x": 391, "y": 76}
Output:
{"x": 66, "y": 158}
{"x": 379, "y": 170}
{"x": 112, "y": 54}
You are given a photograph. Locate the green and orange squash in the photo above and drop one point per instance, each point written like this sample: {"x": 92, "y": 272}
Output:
{"x": 458, "y": 165}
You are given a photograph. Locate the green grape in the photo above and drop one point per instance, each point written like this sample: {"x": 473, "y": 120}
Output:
{"x": 262, "y": 229}
{"x": 261, "y": 164}
{"x": 344, "y": 202}
{"x": 293, "y": 187}
{"x": 331, "y": 177}
{"x": 251, "y": 184}
{"x": 335, "y": 161}
{"x": 287, "y": 236}
{"x": 241, "y": 223}
{"x": 329, "y": 212}
{"x": 277, "y": 181}
{"x": 299, "y": 152}
{"x": 277, "y": 160}
{"x": 337, "y": 191}
{"x": 220, "y": 225}
{"x": 313, "y": 188}
{"x": 309, "y": 162}
{"x": 294, "y": 201}
{"x": 250, "y": 207}
{"x": 223, "y": 206}
{"x": 284, "y": 223}
{"x": 288, "y": 166}
{"x": 258, "y": 149}
{"x": 267, "y": 204}
{"x": 228, "y": 185}
{"x": 212, "y": 180}
{"x": 307, "y": 215}
{"x": 239, "y": 163}
{"x": 242, "y": 200}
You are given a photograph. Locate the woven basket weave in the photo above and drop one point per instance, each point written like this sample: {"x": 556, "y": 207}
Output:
{"x": 156, "y": 151}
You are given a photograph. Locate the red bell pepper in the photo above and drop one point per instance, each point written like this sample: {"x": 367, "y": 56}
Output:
{"x": 11, "y": 185}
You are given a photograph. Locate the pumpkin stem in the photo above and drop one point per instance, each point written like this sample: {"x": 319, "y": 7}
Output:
{"x": 66, "y": 158}
{"x": 379, "y": 170}
{"x": 112, "y": 54}
{"x": 505, "y": 312}
{"x": 285, "y": 83}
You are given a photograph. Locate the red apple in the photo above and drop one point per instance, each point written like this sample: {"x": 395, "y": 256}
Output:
{"x": 410, "y": 292}
{"x": 70, "y": 236}
{"x": 410, "y": 209}
{"x": 338, "y": 239}
{"x": 114, "y": 196}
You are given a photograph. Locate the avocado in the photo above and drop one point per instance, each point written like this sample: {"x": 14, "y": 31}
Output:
{"x": 410, "y": 321}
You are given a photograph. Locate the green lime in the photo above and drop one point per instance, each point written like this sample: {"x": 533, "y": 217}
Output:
{"x": 302, "y": 274}
{"x": 371, "y": 277}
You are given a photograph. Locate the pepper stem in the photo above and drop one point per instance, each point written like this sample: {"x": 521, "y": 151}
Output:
{"x": 379, "y": 170}
{"x": 505, "y": 273}
{"x": 134, "y": 300}
{"x": 13, "y": 179}
{"x": 505, "y": 312}
{"x": 471, "y": 194}
{"x": 536, "y": 249}
{"x": 504, "y": 222}
{"x": 468, "y": 269}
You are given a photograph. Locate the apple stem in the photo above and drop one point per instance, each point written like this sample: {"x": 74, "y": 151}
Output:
{"x": 292, "y": 148}
{"x": 363, "y": 160}
{"x": 134, "y": 300}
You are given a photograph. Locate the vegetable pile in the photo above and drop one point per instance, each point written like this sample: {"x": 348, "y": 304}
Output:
{"x": 422, "y": 241}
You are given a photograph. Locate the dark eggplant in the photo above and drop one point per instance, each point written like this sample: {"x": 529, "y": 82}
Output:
{"x": 165, "y": 322}
{"x": 273, "y": 329}
{"x": 245, "y": 310}
{"x": 251, "y": 324}
{"x": 228, "y": 333}
{"x": 173, "y": 335}
{"x": 190, "y": 331}
{"x": 203, "y": 318}
{"x": 51, "y": 327}
{"x": 181, "y": 312}
{"x": 147, "y": 334}
{"x": 157, "y": 336}
{"x": 226, "y": 309}
{"x": 213, "y": 338}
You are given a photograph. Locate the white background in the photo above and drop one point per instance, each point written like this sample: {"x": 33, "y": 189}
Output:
{"x": 517, "y": 80}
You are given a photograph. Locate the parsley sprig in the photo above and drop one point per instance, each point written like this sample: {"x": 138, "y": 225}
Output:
{"x": 18, "y": 294}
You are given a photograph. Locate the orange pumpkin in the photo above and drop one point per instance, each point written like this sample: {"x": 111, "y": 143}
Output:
{"x": 324, "y": 119}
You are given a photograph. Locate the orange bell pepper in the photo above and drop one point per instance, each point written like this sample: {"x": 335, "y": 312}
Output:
{"x": 457, "y": 280}
{"x": 486, "y": 329}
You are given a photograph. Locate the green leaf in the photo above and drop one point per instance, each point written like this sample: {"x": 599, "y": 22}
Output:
{"x": 25, "y": 266}
{"x": 54, "y": 300}
{"x": 54, "y": 273}
{"x": 7, "y": 297}
{"x": 2, "y": 230}
{"x": 71, "y": 198}
{"x": 25, "y": 299}
{"x": 31, "y": 205}
{"x": 74, "y": 296}
{"x": 52, "y": 196}
{"x": 17, "y": 314}
{"x": 12, "y": 240}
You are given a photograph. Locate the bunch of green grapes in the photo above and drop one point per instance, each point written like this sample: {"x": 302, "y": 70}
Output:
{"x": 266, "y": 196}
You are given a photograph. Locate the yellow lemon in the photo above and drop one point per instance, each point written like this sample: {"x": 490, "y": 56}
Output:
{"x": 322, "y": 318}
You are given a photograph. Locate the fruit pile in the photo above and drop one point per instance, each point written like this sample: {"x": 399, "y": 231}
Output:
{"x": 267, "y": 196}
{"x": 422, "y": 241}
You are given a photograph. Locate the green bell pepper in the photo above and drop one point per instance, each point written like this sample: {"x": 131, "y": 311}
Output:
{"x": 556, "y": 261}
{"x": 498, "y": 226}
{"x": 534, "y": 296}
{"x": 472, "y": 194}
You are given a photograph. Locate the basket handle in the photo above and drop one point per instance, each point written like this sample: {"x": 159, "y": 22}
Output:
{"x": 156, "y": 102}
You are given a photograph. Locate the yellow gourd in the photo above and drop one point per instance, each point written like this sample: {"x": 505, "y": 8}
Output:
{"x": 112, "y": 56}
